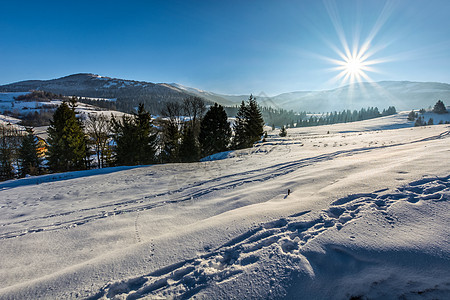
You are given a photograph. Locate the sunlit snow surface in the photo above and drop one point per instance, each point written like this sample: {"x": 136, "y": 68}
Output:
{"x": 367, "y": 217}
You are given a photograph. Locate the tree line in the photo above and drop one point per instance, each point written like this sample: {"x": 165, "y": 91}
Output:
{"x": 184, "y": 132}
{"x": 344, "y": 116}
{"x": 419, "y": 120}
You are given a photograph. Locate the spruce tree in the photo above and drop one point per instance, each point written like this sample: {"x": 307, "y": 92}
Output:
{"x": 146, "y": 139}
{"x": 189, "y": 148}
{"x": 240, "y": 139}
{"x": 6, "y": 154}
{"x": 249, "y": 125}
{"x": 30, "y": 163}
{"x": 67, "y": 149}
{"x": 215, "y": 131}
{"x": 283, "y": 131}
{"x": 412, "y": 116}
{"x": 439, "y": 108}
{"x": 170, "y": 140}
{"x": 254, "y": 126}
{"x": 135, "y": 141}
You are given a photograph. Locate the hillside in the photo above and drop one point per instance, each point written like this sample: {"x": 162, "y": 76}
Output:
{"x": 366, "y": 218}
{"x": 129, "y": 93}
{"x": 404, "y": 95}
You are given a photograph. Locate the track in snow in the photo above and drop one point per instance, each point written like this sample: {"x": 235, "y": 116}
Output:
{"x": 185, "y": 279}
{"x": 187, "y": 193}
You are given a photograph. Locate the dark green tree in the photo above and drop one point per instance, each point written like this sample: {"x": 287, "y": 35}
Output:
{"x": 439, "y": 108}
{"x": 249, "y": 124}
{"x": 170, "y": 132}
{"x": 170, "y": 142}
{"x": 215, "y": 131}
{"x": 30, "y": 163}
{"x": 189, "y": 147}
{"x": 420, "y": 122}
{"x": 134, "y": 138}
{"x": 67, "y": 149}
{"x": 283, "y": 131}
{"x": 240, "y": 139}
{"x": 7, "y": 149}
{"x": 254, "y": 125}
{"x": 412, "y": 116}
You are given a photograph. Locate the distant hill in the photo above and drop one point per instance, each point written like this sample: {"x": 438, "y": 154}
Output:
{"x": 404, "y": 95}
{"x": 129, "y": 93}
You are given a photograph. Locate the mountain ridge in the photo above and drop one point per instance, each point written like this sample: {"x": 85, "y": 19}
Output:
{"x": 404, "y": 95}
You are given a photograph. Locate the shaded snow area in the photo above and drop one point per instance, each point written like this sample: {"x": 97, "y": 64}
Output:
{"x": 366, "y": 217}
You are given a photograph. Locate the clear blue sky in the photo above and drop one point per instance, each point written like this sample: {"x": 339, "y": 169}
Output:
{"x": 233, "y": 47}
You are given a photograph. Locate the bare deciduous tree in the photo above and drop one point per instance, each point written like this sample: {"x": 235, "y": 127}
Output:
{"x": 98, "y": 127}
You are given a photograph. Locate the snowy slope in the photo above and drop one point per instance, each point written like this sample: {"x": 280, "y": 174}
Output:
{"x": 367, "y": 217}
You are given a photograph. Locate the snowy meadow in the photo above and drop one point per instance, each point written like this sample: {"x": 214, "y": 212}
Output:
{"x": 366, "y": 217}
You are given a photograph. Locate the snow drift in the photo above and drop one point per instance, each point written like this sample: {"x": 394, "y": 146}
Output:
{"x": 367, "y": 218}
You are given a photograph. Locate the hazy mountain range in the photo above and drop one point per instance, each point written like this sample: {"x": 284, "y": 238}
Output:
{"x": 404, "y": 95}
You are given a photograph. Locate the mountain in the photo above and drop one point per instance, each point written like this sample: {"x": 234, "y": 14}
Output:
{"x": 129, "y": 93}
{"x": 404, "y": 95}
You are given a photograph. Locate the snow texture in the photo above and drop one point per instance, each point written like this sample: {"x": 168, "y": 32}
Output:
{"x": 366, "y": 218}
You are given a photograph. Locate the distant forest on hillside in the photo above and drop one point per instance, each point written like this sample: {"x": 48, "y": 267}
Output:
{"x": 281, "y": 117}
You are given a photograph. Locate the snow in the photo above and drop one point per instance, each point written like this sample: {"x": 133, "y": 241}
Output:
{"x": 367, "y": 217}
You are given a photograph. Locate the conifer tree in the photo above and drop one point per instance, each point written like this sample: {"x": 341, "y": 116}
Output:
{"x": 439, "y": 108}
{"x": 254, "y": 126}
{"x": 30, "y": 163}
{"x": 215, "y": 131}
{"x": 412, "y": 115}
{"x": 135, "y": 141}
{"x": 67, "y": 142}
{"x": 189, "y": 148}
{"x": 170, "y": 142}
{"x": 249, "y": 125}
{"x": 6, "y": 153}
{"x": 171, "y": 134}
{"x": 283, "y": 131}
{"x": 240, "y": 139}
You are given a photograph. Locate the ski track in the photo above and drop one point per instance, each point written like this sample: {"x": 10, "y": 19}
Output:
{"x": 185, "y": 279}
{"x": 191, "y": 191}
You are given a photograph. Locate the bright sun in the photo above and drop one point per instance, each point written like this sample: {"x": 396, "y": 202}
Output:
{"x": 354, "y": 66}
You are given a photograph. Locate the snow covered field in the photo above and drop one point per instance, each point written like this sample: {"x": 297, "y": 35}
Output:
{"x": 367, "y": 218}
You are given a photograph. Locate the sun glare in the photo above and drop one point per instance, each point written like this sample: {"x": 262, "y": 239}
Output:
{"x": 355, "y": 56}
{"x": 353, "y": 66}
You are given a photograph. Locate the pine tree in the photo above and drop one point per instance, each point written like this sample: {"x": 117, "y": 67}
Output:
{"x": 283, "y": 132}
{"x": 419, "y": 122}
{"x": 240, "y": 140}
{"x": 254, "y": 126}
{"x": 439, "y": 108}
{"x": 215, "y": 131}
{"x": 412, "y": 116}
{"x": 6, "y": 153}
{"x": 135, "y": 141}
{"x": 171, "y": 135}
{"x": 146, "y": 142}
{"x": 189, "y": 148}
{"x": 67, "y": 142}
{"x": 30, "y": 163}
{"x": 170, "y": 141}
